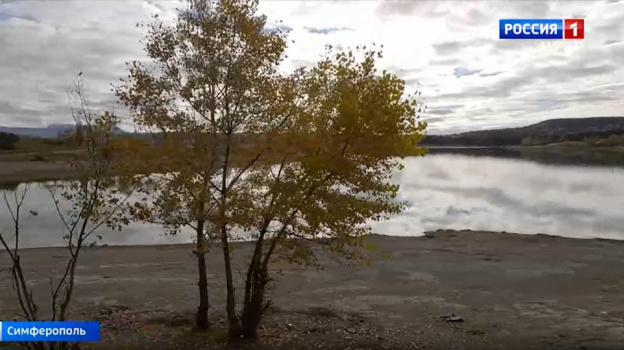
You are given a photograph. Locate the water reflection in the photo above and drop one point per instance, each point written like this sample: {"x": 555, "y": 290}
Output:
{"x": 47, "y": 230}
{"x": 443, "y": 191}
{"x": 605, "y": 157}
{"x": 504, "y": 194}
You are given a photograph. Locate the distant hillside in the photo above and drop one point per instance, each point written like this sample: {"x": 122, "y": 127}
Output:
{"x": 51, "y": 131}
{"x": 553, "y": 130}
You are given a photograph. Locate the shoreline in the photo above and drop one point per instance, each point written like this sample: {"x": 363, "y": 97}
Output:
{"x": 18, "y": 168}
{"x": 427, "y": 234}
{"x": 514, "y": 291}
{"x": 15, "y": 173}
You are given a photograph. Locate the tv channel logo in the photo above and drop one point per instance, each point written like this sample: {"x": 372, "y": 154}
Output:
{"x": 574, "y": 28}
{"x": 542, "y": 28}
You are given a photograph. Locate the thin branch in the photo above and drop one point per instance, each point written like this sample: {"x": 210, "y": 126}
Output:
{"x": 255, "y": 159}
{"x": 6, "y": 200}
{"x": 6, "y": 247}
{"x": 58, "y": 209}
{"x": 103, "y": 221}
{"x": 61, "y": 284}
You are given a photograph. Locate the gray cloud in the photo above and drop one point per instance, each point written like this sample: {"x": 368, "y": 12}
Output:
{"x": 492, "y": 74}
{"x": 24, "y": 116}
{"x": 499, "y": 89}
{"x": 303, "y": 63}
{"x": 433, "y": 120}
{"x": 281, "y": 27}
{"x": 522, "y": 9}
{"x": 582, "y": 66}
{"x": 447, "y": 48}
{"x": 445, "y": 62}
{"x": 326, "y": 30}
{"x": 409, "y": 7}
{"x": 544, "y": 101}
{"x": 611, "y": 28}
{"x": 404, "y": 72}
{"x": 507, "y": 82}
{"x": 453, "y": 47}
{"x": 441, "y": 111}
{"x": 563, "y": 99}
{"x": 500, "y": 46}
{"x": 7, "y": 16}
{"x": 398, "y": 7}
{"x": 459, "y": 72}
{"x": 41, "y": 56}
{"x": 480, "y": 113}
{"x": 610, "y": 87}
{"x": 474, "y": 17}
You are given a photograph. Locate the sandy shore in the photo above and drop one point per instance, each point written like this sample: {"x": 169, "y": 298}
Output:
{"x": 513, "y": 291}
{"x": 18, "y": 167}
{"x": 18, "y": 172}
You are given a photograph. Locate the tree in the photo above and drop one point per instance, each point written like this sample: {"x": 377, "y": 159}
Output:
{"x": 214, "y": 74}
{"x": 78, "y": 134}
{"x": 284, "y": 158}
{"x": 331, "y": 174}
{"x": 83, "y": 205}
{"x": 8, "y": 140}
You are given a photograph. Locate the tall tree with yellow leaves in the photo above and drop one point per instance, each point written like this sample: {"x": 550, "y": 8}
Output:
{"x": 213, "y": 80}
{"x": 329, "y": 175}
{"x": 288, "y": 159}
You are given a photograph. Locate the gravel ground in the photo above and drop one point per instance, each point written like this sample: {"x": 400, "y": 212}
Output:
{"x": 512, "y": 292}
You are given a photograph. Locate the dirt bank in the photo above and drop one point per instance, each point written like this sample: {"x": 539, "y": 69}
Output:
{"x": 18, "y": 172}
{"x": 513, "y": 291}
{"x": 18, "y": 167}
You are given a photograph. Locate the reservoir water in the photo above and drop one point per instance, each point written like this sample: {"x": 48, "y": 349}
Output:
{"x": 442, "y": 191}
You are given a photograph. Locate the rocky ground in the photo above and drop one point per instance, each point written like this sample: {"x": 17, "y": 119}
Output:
{"x": 511, "y": 291}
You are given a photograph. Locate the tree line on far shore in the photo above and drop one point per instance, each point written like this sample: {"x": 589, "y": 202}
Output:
{"x": 546, "y": 132}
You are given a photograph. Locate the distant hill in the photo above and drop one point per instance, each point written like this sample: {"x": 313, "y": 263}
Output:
{"x": 553, "y": 130}
{"x": 49, "y": 132}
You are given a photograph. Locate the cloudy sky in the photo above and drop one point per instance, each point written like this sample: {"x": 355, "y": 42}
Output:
{"x": 449, "y": 50}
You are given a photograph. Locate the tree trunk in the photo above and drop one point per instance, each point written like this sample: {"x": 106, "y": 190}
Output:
{"x": 234, "y": 329}
{"x": 254, "y": 293}
{"x": 254, "y": 308}
{"x": 257, "y": 280}
{"x": 204, "y": 304}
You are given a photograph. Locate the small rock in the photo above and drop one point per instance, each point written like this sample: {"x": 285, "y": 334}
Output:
{"x": 452, "y": 317}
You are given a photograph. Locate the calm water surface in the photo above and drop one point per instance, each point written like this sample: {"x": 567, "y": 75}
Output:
{"x": 443, "y": 191}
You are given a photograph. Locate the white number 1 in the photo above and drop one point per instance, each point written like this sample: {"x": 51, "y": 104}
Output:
{"x": 574, "y": 29}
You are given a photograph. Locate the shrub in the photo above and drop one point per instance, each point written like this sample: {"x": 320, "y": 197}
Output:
{"x": 8, "y": 141}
